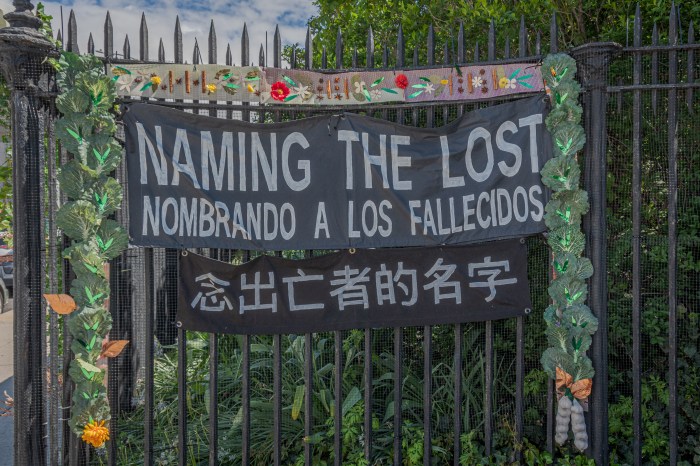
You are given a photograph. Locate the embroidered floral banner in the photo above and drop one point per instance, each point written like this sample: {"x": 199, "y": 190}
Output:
{"x": 299, "y": 87}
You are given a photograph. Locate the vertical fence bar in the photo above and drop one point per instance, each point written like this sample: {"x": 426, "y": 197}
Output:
{"x": 636, "y": 246}
{"x": 308, "y": 50}
{"x": 54, "y": 420}
{"x": 592, "y": 61}
{"x": 277, "y": 398}
{"x": 672, "y": 237}
{"x": 461, "y": 52}
{"x": 368, "y": 394}
{"x": 370, "y": 49}
{"x": 427, "y": 393}
{"x": 338, "y": 406}
{"x": 23, "y": 48}
{"x": 654, "y": 68}
{"x": 458, "y": 362}
{"x": 182, "y": 395}
{"x": 177, "y": 42}
{"x": 245, "y": 402}
{"x": 398, "y": 386}
{"x": 522, "y": 38}
{"x": 308, "y": 398}
{"x": 148, "y": 280}
{"x": 277, "y": 48}
{"x": 400, "y": 63}
{"x": 553, "y": 34}
{"x": 339, "y": 50}
{"x": 430, "y": 55}
{"x": 690, "y": 68}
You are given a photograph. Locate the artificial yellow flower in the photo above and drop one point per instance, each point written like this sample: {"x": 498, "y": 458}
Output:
{"x": 503, "y": 82}
{"x": 211, "y": 88}
{"x": 250, "y": 88}
{"x": 155, "y": 80}
{"x": 95, "y": 433}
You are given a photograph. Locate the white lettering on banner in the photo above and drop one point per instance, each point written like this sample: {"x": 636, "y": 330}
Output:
{"x": 350, "y": 291}
{"x": 159, "y": 164}
{"x": 213, "y": 292}
{"x": 257, "y": 286}
{"x": 490, "y": 270}
{"x": 291, "y": 281}
{"x": 387, "y": 280}
{"x": 441, "y": 273}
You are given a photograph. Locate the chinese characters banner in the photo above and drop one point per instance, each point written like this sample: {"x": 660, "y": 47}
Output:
{"x": 334, "y": 181}
{"x": 358, "y": 289}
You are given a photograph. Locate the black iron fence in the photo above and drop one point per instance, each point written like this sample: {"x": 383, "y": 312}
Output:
{"x": 449, "y": 394}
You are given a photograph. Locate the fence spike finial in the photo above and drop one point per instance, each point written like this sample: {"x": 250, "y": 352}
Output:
{"x": 637, "y": 40}
{"x": 161, "y": 51}
{"x": 293, "y": 57}
{"x": 179, "y": 57}
{"x": 195, "y": 53}
{"x": 277, "y": 48}
{"x": 212, "y": 43}
{"x": 127, "y": 48}
{"x": 229, "y": 55}
{"x": 553, "y": 34}
{"x": 59, "y": 38}
{"x": 339, "y": 50}
{"x": 108, "y": 37}
{"x": 370, "y": 48}
{"x": 245, "y": 46}
{"x": 308, "y": 49}
{"x": 261, "y": 56}
{"x": 72, "y": 39}
{"x": 91, "y": 45}
{"x": 673, "y": 25}
{"x": 143, "y": 39}
{"x": 522, "y": 38}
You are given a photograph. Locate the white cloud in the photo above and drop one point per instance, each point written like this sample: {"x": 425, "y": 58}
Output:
{"x": 260, "y": 16}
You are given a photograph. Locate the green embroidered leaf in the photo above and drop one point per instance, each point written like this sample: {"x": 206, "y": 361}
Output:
{"x": 419, "y": 86}
{"x": 377, "y": 82}
{"x": 291, "y": 97}
{"x": 252, "y": 78}
{"x": 425, "y": 79}
{"x": 120, "y": 70}
{"x": 522, "y": 78}
{"x": 232, "y": 86}
{"x": 390, "y": 91}
{"x": 366, "y": 93}
{"x": 415, "y": 94}
{"x": 289, "y": 80}
{"x": 223, "y": 74}
{"x": 77, "y": 219}
{"x": 524, "y": 84}
{"x": 514, "y": 74}
{"x": 147, "y": 85}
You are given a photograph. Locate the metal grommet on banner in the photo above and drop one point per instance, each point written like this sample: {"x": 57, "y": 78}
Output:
{"x": 351, "y": 250}
{"x": 528, "y": 311}
{"x": 178, "y": 324}
{"x": 522, "y": 240}
{"x": 184, "y": 253}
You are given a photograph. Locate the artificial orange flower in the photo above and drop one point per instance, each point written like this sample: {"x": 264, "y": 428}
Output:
{"x": 95, "y": 433}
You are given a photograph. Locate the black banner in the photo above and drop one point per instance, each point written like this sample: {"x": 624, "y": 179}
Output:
{"x": 333, "y": 182}
{"x": 355, "y": 289}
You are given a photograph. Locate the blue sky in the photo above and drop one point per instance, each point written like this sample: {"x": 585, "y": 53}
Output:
{"x": 195, "y": 16}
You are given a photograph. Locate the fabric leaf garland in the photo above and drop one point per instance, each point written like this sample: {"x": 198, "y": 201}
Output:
{"x": 86, "y": 130}
{"x": 570, "y": 323}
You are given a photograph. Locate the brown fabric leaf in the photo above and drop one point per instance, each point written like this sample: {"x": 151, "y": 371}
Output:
{"x": 113, "y": 348}
{"x": 61, "y": 303}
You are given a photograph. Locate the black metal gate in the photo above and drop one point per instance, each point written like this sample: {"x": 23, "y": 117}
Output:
{"x": 448, "y": 394}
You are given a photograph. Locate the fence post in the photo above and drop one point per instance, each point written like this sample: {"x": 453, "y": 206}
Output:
{"x": 22, "y": 51}
{"x": 592, "y": 61}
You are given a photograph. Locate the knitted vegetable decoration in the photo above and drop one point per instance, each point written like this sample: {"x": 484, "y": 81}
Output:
{"x": 86, "y": 131}
{"x": 570, "y": 323}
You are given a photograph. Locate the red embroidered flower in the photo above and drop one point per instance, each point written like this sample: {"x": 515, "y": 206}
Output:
{"x": 279, "y": 91}
{"x": 401, "y": 81}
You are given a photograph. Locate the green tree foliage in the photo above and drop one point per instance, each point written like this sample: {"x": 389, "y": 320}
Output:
{"x": 579, "y": 21}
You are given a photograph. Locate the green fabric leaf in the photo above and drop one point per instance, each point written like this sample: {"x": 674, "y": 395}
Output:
{"x": 75, "y": 179}
{"x": 569, "y": 138}
{"x": 377, "y": 82}
{"x": 415, "y": 94}
{"x": 289, "y": 80}
{"x": 558, "y": 337}
{"x": 568, "y": 239}
{"x": 107, "y": 196}
{"x": 583, "y": 369}
{"x": 561, "y": 173}
{"x": 390, "y": 91}
{"x": 85, "y": 259}
{"x": 78, "y": 219}
{"x": 89, "y": 290}
{"x": 367, "y": 96}
{"x": 113, "y": 239}
{"x": 291, "y": 97}
{"x": 553, "y": 358}
{"x": 581, "y": 316}
{"x": 74, "y": 100}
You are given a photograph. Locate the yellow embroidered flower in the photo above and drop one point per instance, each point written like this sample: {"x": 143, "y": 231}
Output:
{"x": 443, "y": 81}
{"x": 250, "y": 88}
{"x": 95, "y": 433}
{"x": 155, "y": 80}
{"x": 211, "y": 88}
{"x": 503, "y": 82}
